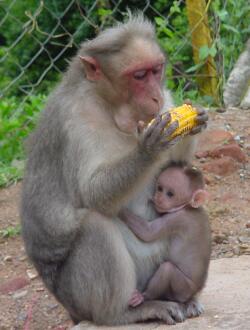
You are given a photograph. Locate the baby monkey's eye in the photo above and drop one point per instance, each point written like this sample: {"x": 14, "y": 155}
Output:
{"x": 170, "y": 193}
{"x": 159, "y": 188}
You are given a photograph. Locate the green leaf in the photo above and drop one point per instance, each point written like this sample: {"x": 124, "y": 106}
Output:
{"x": 230, "y": 28}
{"x": 204, "y": 52}
{"x": 223, "y": 14}
{"x": 213, "y": 51}
{"x": 175, "y": 8}
{"x": 195, "y": 67}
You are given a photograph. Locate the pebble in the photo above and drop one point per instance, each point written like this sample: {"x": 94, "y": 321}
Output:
{"x": 52, "y": 307}
{"x": 40, "y": 289}
{"x": 219, "y": 238}
{"x": 20, "y": 294}
{"x": 243, "y": 239}
{"x": 248, "y": 224}
{"x": 236, "y": 250}
{"x": 244, "y": 249}
{"x": 7, "y": 259}
{"x": 31, "y": 274}
{"x": 22, "y": 316}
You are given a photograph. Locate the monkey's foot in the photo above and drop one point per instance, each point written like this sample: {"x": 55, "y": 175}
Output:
{"x": 193, "y": 308}
{"x": 136, "y": 299}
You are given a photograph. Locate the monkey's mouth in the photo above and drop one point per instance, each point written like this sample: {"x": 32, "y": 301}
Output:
{"x": 159, "y": 208}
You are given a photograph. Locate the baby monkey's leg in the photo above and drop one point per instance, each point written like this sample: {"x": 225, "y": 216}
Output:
{"x": 169, "y": 282}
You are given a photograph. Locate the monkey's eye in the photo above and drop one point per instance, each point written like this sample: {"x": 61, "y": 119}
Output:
{"x": 157, "y": 69}
{"x": 159, "y": 188}
{"x": 139, "y": 75}
{"x": 169, "y": 193}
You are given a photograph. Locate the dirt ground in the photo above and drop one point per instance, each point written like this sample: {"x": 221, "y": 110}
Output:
{"x": 26, "y": 304}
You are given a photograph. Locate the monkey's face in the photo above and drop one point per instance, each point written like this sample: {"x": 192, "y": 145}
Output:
{"x": 143, "y": 77}
{"x": 146, "y": 90}
{"x": 172, "y": 190}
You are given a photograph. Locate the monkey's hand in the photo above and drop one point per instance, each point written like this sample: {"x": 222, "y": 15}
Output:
{"x": 156, "y": 137}
{"x": 201, "y": 119}
{"x": 136, "y": 299}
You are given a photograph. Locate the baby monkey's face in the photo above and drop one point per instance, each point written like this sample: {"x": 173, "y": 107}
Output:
{"x": 172, "y": 190}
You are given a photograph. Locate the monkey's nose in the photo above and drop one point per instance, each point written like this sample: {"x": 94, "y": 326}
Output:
{"x": 158, "y": 101}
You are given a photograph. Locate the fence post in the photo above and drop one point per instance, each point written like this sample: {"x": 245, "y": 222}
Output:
{"x": 198, "y": 23}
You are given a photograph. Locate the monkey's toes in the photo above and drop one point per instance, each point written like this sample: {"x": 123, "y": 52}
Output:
{"x": 176, "y": 311}
{"x": 193, "y": 308}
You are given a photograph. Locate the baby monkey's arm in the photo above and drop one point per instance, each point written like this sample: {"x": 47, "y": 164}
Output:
{"x": 146, "y": 231}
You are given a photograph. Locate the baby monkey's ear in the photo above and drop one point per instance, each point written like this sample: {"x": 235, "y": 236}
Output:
{"x": 199, "y": 198}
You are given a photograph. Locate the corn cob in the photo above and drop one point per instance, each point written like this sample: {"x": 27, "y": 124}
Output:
{"x": 186, "y": 117}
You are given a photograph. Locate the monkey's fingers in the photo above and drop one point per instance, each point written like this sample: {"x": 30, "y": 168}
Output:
{"x": 152, "y": 126}
{"x": 188, "y": 101}
{"x": 170, "y": 130}
{"x": 168, "y": 144}
{"x": 198, "y": 129}
{"x": 159, "y": 128}
{"x": 140, "y": 126}
{"x": 136, "y": 299}
{"x": 202, "y": 118}
{"x": 176, "y": 311}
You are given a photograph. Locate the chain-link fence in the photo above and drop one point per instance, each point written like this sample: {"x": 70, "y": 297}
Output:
{"x": 38, "y": 37}
{"x": 202, "y": 38}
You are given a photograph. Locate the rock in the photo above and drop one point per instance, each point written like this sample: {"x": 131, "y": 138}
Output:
{"x": 247, "y": 232}
{"x": 14, "y": 285}
{"x": 237, "y": 84}
{"x": 32, "y": 274}
{"x": 221, "y": 110}
{"x": 248, "y": 224}
{"x": 40, "y": 289}
{"x": 236, "y": 250}
{"x": 7, "y": 258}
{"x": 223, "y": 166}
{"x": 244, "y": 249}
{"x": 232, "y": 150}
{"x": 23, "y": 258}
{"x": 219, "y": 238}
{"x": 245, "y": 103}
{"x": 210, "y": 139}
{"x": 20, "y": 294}
{"x": 51, "y": 307}
{"x": 244, "y": 239}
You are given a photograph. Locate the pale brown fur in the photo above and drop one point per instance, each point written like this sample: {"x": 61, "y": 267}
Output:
{"x": 183, "y": 224}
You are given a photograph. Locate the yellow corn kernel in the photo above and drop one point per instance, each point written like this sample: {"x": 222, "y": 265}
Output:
{"x": 186, "y": 117}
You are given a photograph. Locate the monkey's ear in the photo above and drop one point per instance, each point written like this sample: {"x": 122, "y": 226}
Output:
{"x": 199, "y": 198}
{"x": 91, "y": 67}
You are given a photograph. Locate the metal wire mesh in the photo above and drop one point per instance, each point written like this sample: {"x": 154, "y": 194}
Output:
{"x": 36, "y": 42}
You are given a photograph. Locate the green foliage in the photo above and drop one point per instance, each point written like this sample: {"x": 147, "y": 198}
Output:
{"x": 10, "y": 231}
{"x": 17, "y": 119}
{"x": 50, "y": 32}
{"x": 37, "y": 37}
{"x": 232, "y": 28}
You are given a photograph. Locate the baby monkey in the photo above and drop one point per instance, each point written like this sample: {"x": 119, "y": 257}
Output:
{"x": 183, "y": 224}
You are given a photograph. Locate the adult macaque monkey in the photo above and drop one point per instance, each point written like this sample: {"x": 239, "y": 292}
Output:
{"x": 86, "y": 159}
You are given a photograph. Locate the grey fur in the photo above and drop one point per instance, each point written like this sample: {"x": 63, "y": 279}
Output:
{"x": 79, "y": 162}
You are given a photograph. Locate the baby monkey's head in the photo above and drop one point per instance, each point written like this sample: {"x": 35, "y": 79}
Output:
{"x": 179, "y": 185}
